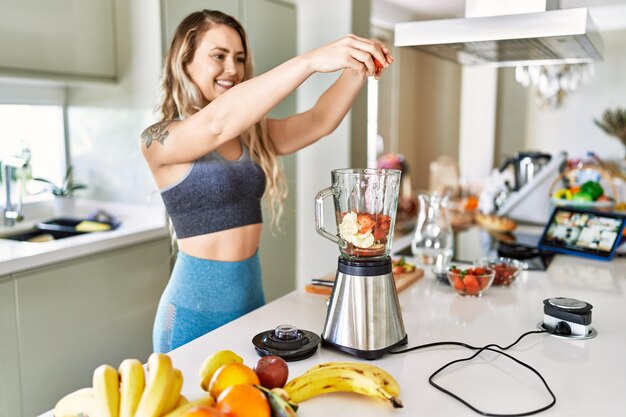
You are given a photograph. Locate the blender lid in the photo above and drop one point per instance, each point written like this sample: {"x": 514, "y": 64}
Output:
{"x": 287, "y": 342}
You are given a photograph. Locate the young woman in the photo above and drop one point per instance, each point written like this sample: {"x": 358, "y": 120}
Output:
{"x": 214, "y": 157}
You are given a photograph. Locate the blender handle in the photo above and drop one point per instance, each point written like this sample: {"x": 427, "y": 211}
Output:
{"x": 319, "y": 214}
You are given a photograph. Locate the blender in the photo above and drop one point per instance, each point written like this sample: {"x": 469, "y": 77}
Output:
{"x": 363, "y": 316}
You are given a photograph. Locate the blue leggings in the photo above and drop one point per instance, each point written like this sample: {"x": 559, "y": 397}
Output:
{"x": 202, "y": 295}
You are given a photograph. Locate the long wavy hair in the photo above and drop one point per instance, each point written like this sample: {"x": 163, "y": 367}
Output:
{"x": 181, "y": 97}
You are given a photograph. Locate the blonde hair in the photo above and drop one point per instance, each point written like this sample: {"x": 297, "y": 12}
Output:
{"x": 181, "y": 97}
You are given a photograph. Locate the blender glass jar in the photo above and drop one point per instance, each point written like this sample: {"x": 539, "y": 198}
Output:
{"x": 365, "y": 203}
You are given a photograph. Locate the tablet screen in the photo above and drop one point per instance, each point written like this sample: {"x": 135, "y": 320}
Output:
{"x": 583, "y": 232}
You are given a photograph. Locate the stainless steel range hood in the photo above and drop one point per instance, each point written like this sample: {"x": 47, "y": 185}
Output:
{"x": 547, "y": 37}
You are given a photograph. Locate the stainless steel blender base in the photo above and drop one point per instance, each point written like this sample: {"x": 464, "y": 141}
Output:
{"x": 363, "y": 317}
{"x": 364, "y": 354}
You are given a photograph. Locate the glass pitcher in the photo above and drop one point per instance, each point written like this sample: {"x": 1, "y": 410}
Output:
{"x": 365, "y": 211}
{"x": 433, "y": 241}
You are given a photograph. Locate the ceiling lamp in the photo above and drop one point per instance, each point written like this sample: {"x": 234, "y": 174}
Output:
{"x": 552, "y": 82}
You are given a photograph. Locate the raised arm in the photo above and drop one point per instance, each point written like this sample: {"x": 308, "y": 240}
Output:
{"x": 298, "y": 131}
{"x": 230, "y": 114}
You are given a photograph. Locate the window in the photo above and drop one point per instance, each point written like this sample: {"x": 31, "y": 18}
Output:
{"x": 33, "y": 119}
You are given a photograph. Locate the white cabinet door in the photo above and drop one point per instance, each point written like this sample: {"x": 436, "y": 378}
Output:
{"x": 9, "y": 359}
{"x": 79, "y": 314}
{"x": 72, "y": 39}
{"x": 174, "y": 11}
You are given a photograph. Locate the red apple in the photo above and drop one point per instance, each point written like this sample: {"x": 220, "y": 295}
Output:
{"x": 272, "y": 371}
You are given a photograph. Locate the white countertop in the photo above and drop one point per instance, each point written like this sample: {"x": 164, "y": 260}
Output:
{"x": 138, "y": 223}
{"x": 587, "y": 376}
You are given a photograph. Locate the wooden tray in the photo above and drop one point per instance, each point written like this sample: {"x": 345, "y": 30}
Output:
{"x": 403, "y": 281}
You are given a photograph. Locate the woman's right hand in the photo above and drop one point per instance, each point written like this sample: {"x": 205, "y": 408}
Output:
{"x": 350, "y": 52}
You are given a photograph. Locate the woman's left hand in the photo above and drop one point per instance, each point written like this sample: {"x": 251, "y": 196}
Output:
{"x": 351, "y": 52}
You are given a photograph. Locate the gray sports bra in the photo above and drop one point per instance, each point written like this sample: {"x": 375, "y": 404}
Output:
{"x": 216, "y": 194}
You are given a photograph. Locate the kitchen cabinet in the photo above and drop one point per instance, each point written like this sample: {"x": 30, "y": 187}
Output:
{"x": 76, "y": 315}
{"x": 65, "y": 39}
{"x": 271, "y": 28}
{"x": 9, "y": 359}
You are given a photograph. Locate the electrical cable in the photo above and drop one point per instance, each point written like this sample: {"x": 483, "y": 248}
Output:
{"x": 479, "y": 350}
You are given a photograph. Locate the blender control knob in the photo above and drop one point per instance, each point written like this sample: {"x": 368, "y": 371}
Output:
{"x": 286, "y": 332}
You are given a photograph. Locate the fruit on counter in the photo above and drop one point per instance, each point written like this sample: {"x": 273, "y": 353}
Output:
{"x": 380, "y": 375}
{"x": 132, "y": 383}
{"x": 278, "y": 400}
{"x": 202, "y": 411}
{"x": 272, "y": 371}
{"x": 174, "y": 395}
{"x": 106, "y": 391}
{"x": 155, "y": 395}
{"x": 243, "y": 400}
{"x": 77, "y": 403}
{"x": 231, "y": 375}
{"x": 471, "y": 281}
{"x": 213, "y": 362}
{"x": 354, "y": 377}
{"x": 188, "y": 409}
{"x": 401, "y": 266}
{"x": 504, "y": 274}
{"x": 126, "y": 393}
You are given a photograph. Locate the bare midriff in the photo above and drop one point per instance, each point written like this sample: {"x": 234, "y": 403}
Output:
{"x": 228, "y": 245}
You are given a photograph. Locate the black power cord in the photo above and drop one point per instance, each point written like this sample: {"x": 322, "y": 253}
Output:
{"x": 479, "y": 350}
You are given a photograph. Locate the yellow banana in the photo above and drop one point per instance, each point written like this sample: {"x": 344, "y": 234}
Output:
{"x": 380, "y": 375}
{"x": 131, "y": 386}
{"x": 174, "y": 394}
{"x": 79, "y": 403}
{"x": 339, "y": 378}
{"x": 182, "y": 400}
{"x": 213, "y": 363}
{"x": 106, "y": 386}
{"x": 160, "y": 378}
{"x": 179, "y": 411}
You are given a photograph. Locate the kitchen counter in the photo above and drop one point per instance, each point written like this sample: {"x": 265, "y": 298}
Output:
{"x": 139, "y": 223}
{"x": 586, "y": 376}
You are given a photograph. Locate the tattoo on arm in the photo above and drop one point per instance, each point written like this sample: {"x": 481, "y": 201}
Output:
{"x": 158, "y": 132}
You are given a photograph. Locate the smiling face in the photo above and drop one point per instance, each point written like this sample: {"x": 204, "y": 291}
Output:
{"x": 218, "y": 62}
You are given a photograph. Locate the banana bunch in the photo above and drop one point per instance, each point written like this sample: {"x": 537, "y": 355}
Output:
{"x": 361, "y": 378}
{"x": 128, "y": 393}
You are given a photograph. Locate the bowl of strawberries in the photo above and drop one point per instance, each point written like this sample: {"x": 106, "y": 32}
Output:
{"x": 472, "y": 281}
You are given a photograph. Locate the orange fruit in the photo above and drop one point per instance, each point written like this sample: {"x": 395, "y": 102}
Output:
{"x": 202, "y": 411}
{"x": 229, "y": 375}
{"x": 243, "y": 401}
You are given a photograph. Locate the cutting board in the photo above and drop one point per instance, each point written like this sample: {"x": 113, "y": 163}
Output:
{"x": 403, "y": 281}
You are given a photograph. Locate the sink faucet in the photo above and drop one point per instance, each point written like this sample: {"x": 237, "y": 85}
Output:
{"x": 12, "y": 212}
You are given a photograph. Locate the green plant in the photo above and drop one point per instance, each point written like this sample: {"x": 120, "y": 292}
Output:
{"x": 66, "y": 189}
{"x": 613, "y": 122}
